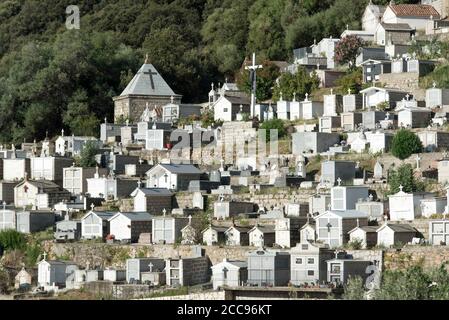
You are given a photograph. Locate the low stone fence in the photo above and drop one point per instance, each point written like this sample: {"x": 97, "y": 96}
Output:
{"x": 212, "y": 295}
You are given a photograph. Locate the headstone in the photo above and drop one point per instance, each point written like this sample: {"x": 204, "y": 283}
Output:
{"x": 378, "y": 170}
{"x": 301, "y": 167}
{"x": 198, "y": 200}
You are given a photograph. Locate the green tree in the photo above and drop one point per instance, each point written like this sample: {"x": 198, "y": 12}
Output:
{"x": 404, "y": 176}
{"x": 78, "y": 117}
{"x": 353, "y": 80}
{"x": 265, "y": 33}
{"x": 87, "y": 156}
{"x": 224, "y": 34}
{"x": 409, "y": 284}
{"x": 300, "y": 83}
{"x": 274, "y": 124}
{"x": 266, "y": 79}
{"x": 405, "y": 143}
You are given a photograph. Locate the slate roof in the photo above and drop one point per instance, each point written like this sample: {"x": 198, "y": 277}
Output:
{"x": 396, "y": 26}
{"x": 181, "y": 168}
{"x": 400, "y": 228}
{"x": 238, "y": 100}
{"x": 264, "y": 229}
{"x": 137, "y": 216}
{"x": 45, "y": 186}
{"x": 103, "y": 215}
{"x": 366, "y": 228}
{"x": 218, "y": 229}
{"x": 415, "y": 10}
{"x": 241, "y": 229}
{"x": 141, "y": 83}
{"x": 156, "y": 191}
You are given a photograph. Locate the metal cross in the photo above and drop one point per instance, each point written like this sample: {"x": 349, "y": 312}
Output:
{"x": 150, "y": 74}
{"x": 225, "y": 272}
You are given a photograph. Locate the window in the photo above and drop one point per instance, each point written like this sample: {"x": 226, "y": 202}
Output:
{"x": 225, "y": 109}
{"x": 335, "y": 268}
{"x": 310, "y": 272}
{"x": 298, "y": 260}
{"x": 310, "y": 261}
{"x": 305, "y": 247}
{"x": 368, "y": 78}
{"x": 368, "y": 69}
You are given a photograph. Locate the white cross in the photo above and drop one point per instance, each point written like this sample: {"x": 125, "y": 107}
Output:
{"x": 329, "y": 206}
{"x": 349, "y": 91}
{"x": 105, "y": 120}
{"x": 253, "y": 72}
{"x": 307, "y": 97}
{"x": 339, "y": 181}
{"x": 370, "y": 197}
{"x": 190, "y": 219}
{"x": 294, "y": 96}
{"x": 407, "y": 96}
{"x": 4, "y": 205}
{"x": 151, "y": 266}
{"x": 164, "y": 212}
{"x": 92, "y": 206}
{"x": 332, "y": 91}
{"x": 434, "y": 84}
{"x": 400, "y": 188}
{"x": 45, "y": 255}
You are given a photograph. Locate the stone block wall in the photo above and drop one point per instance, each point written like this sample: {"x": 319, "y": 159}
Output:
{"x": 211, "y": 295}
{"x": 406, "y": 81}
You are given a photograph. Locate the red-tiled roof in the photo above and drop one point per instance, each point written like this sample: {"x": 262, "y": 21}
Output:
{"x": 414, "y": 10}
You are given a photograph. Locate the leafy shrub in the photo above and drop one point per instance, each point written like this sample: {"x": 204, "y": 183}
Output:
{"x": 405, "y": 143}
{"x": 274, "y": 124}
{"x": 11, "y": 240}
{"x": 353, "y": 81}
{"x": 354, "y": 289}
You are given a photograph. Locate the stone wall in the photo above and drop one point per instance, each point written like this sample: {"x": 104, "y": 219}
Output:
{"x": 212, "y": 295}
{"x": 278, "y": 198}
{"x": 429, "y": 256}
{"x": 112, "y": 255}
{"x": 406, "y": 81}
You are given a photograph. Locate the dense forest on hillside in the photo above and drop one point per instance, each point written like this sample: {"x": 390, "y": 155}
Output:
{"x": 53, "y": 78}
